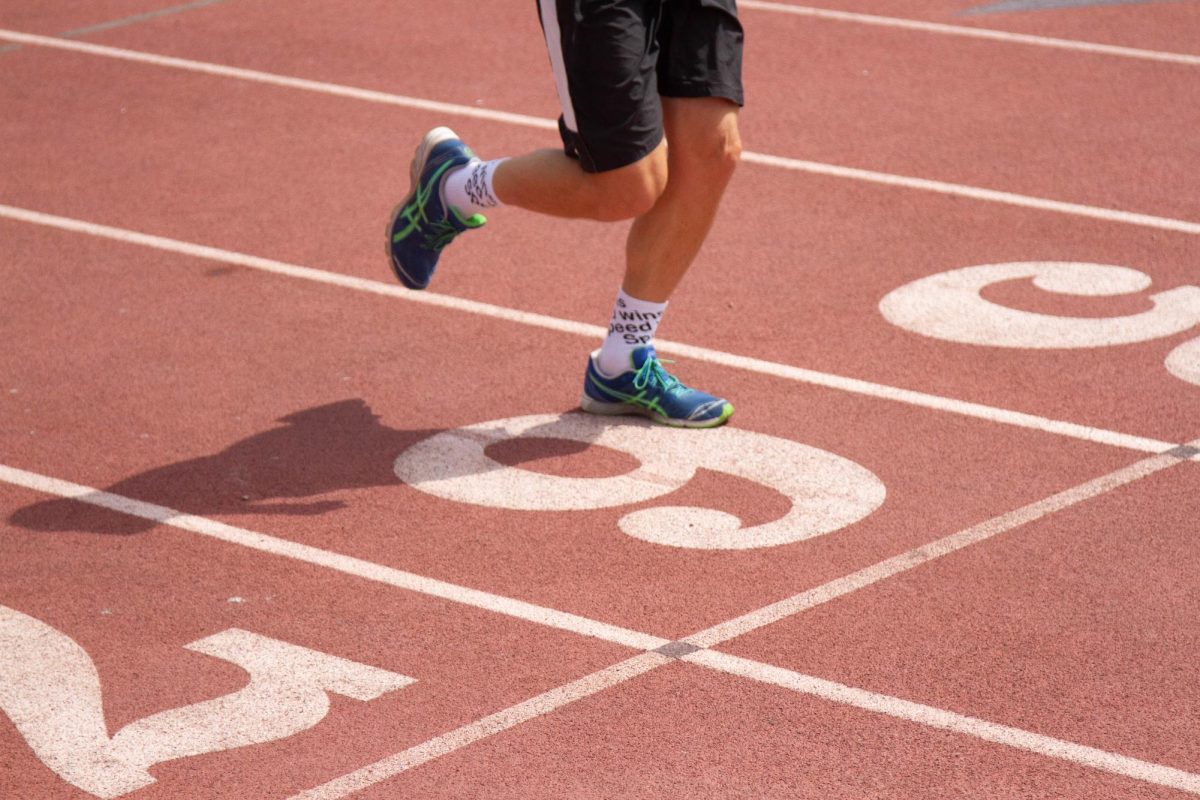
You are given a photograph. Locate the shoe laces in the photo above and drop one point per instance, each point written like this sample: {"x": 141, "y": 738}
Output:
{"x": 441, "y": 233}
{"x": 437, "y": 233}
{"x": 651, "y": 373}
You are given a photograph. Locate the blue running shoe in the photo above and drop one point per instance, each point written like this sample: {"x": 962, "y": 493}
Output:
{"x": 651, "y": 391}
{"x": 422, "y": 224}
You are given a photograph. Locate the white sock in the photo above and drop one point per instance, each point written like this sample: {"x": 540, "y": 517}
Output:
{"x": 469, "y": 189}
{"x": 633, "y": 325}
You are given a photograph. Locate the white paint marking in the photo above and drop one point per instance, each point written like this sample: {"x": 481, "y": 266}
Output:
{"x": 454, "y": 465}
{"x": 519, "y": 713}
{"x": 335, "y": 561}
{"x": 826, "y": 492}
{"x": 50, "y": 689}
{"x": 931, "y": 717}
{"x": 1184, "y": 362}
{"x": 973, "y": 33}
{"x": 596, "y": 332}
{"x": 837, "y": 693}
{"x": 949, "y": 306}
{"x": 643, "y": 663}
{"x": 935, "y": 402}
{"x": 928, "y": 552}
{"x": 496, "y": 723}
{"x": 976, "y": 193}
{"x": 273, "y": 79}
{"x": 794, "y": 164}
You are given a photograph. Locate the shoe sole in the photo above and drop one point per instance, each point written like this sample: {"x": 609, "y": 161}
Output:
{"x": 593, "y": 406}
{"x": 420, "y": 157}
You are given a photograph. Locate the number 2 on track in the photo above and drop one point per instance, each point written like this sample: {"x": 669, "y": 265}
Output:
{"x": 50, "y": 690}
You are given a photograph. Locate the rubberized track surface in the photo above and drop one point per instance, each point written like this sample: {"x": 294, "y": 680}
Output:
{"x": 271, "y": 526}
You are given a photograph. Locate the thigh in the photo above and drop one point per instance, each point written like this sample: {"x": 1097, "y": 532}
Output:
{"x": 701, "y": 42}
{"x": 603, "y": 54}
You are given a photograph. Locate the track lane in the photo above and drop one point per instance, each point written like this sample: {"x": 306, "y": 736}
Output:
{"x": 1035, "y": 121}
{"x": 70, "y": 251}
{"x": 54, "y": 19}
{"x": 681, "y": 730}
{"x": 85, "y": 288}
{"x": 311, "y": 459}
{"x": 891, "y": 706}
{"x": 825, "y": 260}
{"x": 136, "y": 601}
{"x": 1163, "y": 26}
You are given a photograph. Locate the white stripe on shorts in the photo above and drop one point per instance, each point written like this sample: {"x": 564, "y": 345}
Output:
{"x": 554, "y": 47}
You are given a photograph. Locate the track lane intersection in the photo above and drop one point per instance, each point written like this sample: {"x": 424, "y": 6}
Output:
{"x": 1077, "y": 626}
{"x": 704, "y": 734}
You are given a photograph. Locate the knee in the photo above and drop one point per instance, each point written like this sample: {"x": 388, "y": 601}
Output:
{"x": 729, "y": 151}
{"x": 714, "y": 154}
{"x": 630, "y": 191}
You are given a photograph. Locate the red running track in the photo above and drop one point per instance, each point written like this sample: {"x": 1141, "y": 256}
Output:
{"x": 1012, "y": 616}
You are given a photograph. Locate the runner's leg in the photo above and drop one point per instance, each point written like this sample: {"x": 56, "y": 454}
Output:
{"x": 551, "y": 182}
{"x": 703, "y": 151}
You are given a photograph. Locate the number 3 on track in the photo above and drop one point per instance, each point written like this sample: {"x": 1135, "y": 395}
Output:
{"x": 827, "y": 492}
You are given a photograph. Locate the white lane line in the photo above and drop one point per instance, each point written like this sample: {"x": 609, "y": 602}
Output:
{"x": 910, "y": 397}
{"x": 828, "y": 690}
{"x": 925, "y": 553}
{"x": 834, "y": 692}
{"x": 537, "y": 706}
{"x": 977, "y": 193}
{"x": 831, "y": 691}
{"x": 769, "y": 368}
{"x": 972, "y": 32}
{"x": 637, "y": 665}
{"x": 272, "y": 79}
{"x": 781, "y": 162}
{"x": 931, "y": 717}
{"x": 335, "y": 561}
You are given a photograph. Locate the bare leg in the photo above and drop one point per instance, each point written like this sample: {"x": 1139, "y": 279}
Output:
{"x": 673, "y": 192}
{"x": 550, "y": 182}
{"x": 704, "y": 149}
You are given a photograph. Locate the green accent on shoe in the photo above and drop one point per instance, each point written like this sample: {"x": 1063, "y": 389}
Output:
{"x": 650, "y": 371}
{"x": 414, "y": 212}
{"x": 638, "y": 399}
{"x": 651, "y": 391}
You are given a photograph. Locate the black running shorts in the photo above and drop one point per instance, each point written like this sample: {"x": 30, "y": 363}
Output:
{"x": 613, "y": 59}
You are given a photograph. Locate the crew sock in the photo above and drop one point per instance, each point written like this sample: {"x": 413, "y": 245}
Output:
{"x": 469, "y": 189}
{"x": 633, "y": 325}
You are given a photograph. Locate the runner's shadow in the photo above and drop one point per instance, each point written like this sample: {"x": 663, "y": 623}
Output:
{"x": 336, "y": 447}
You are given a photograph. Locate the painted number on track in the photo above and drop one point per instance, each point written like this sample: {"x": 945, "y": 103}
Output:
{"x": 949, "y": 306}
{"x": 827, "y": 492}
{"x": 50, "y": 689}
